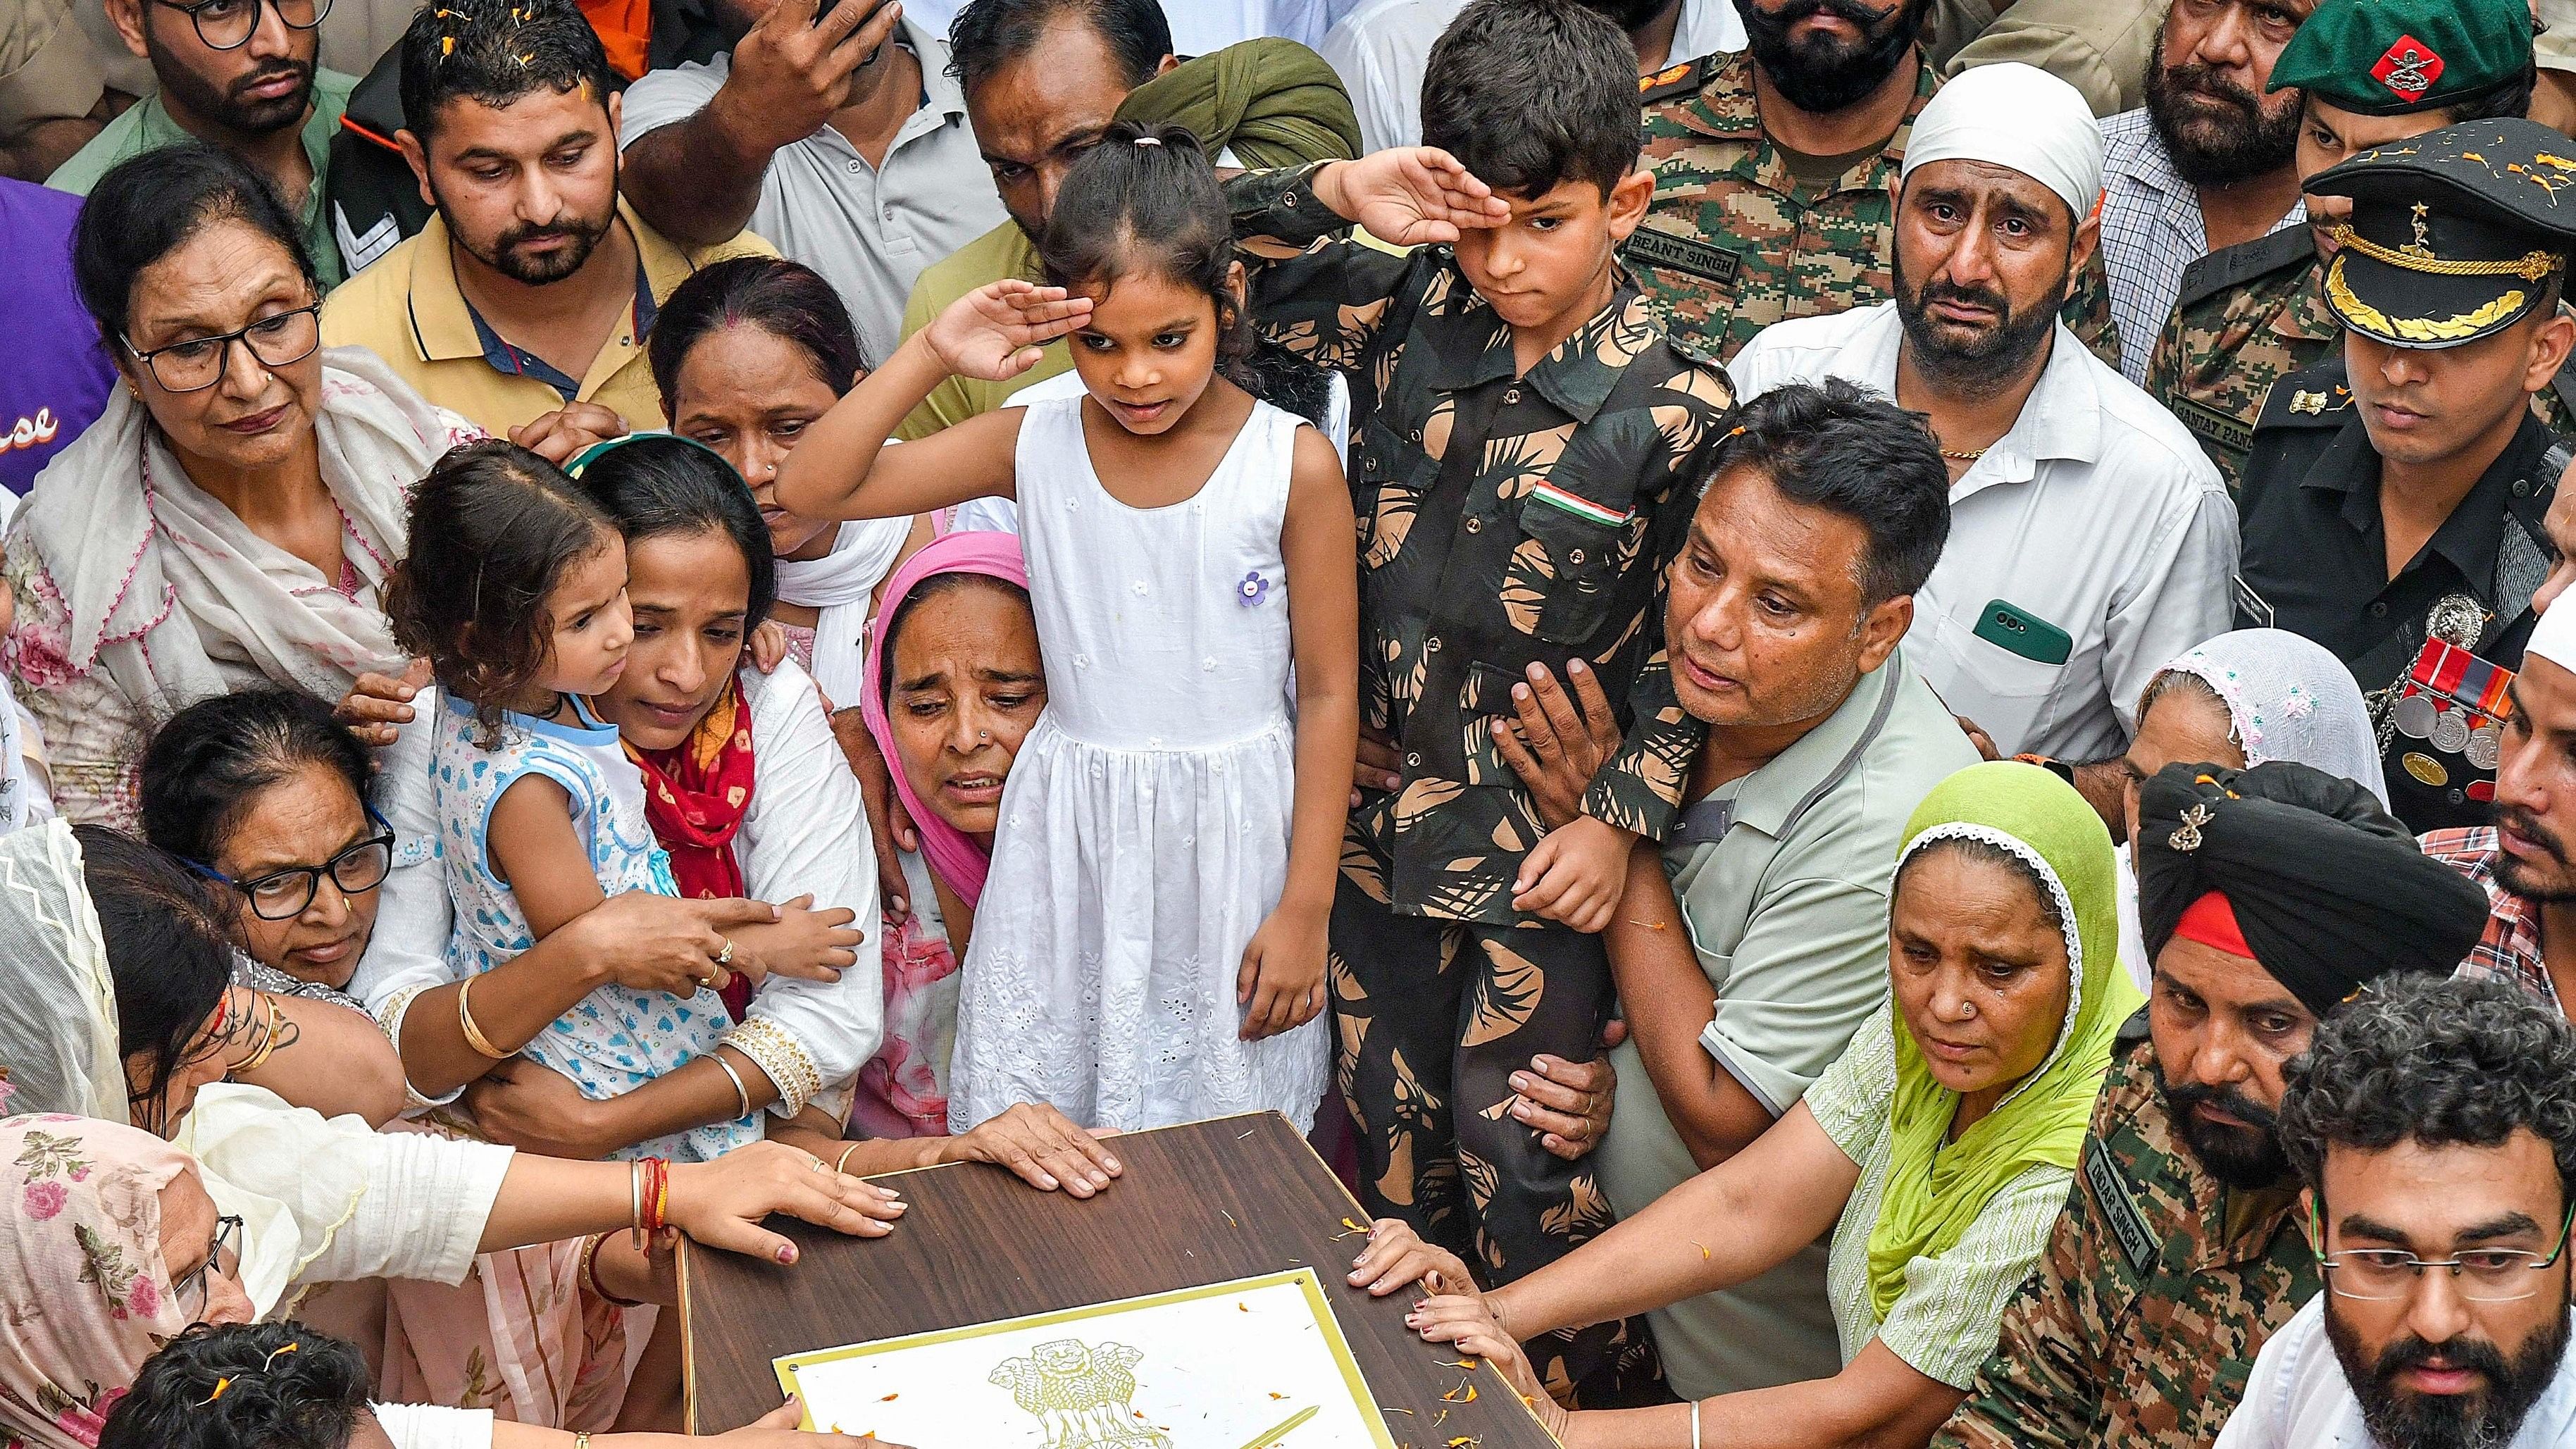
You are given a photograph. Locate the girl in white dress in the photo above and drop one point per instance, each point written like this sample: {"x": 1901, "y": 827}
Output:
{"x": 1150, "y": 943}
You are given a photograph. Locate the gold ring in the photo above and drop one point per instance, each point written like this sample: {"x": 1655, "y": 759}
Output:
{"x": 725, "y": 956}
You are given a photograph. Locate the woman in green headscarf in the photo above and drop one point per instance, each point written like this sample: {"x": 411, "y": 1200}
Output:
{"x": 1938, "y": 1150}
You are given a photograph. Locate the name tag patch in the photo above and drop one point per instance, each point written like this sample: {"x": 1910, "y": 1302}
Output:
{"x": 1683, "y": 254}
{"x": 2251, "y": 605}
{"x": 2212, "y": 426}
{"x": 2111, "y": 1195}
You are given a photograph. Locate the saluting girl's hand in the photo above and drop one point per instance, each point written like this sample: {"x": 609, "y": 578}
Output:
{"x": 995, "y": 332}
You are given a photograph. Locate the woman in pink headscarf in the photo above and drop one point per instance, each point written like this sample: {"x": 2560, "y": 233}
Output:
{"x": 953, "y": 684}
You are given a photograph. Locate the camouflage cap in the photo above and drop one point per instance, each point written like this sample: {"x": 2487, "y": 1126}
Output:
{"x": 2453, "y": 233}
{"x": 2389, "y": 57}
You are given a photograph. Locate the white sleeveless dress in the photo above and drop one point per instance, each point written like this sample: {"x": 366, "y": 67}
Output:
{"x": 1144, "y": 831}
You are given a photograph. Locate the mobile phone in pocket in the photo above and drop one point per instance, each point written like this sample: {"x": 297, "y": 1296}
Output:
{"x": 2018, "y": 631}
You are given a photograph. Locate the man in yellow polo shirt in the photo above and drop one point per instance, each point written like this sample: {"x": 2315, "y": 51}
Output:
{"x": 530, "y": 294}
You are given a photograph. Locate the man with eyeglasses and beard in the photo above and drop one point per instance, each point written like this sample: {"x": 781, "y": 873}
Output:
{"x": 2434, "y": 1125}
{"x": 2090, "y": 541}
{"x": 526, "y": 301}
{"x": 2208, "y": 162}
{"x": 240, "y": 76}
{"x": 1775, "y": 170}
{"x": 2267, "y": 897}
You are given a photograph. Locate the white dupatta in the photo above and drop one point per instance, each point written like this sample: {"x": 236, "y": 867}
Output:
{"x": 178, "y": 600}
{"x": 840, "y": 584}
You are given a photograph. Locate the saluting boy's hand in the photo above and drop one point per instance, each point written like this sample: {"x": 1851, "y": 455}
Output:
{"x": 1281, "y": 983}
{"x": 1576, "y": 875}
{"x": 995, "y": 332}
{"x": 1410, "y": 195}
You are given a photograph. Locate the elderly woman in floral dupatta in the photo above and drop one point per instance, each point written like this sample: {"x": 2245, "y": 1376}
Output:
{"x": 1938, "y": 1150}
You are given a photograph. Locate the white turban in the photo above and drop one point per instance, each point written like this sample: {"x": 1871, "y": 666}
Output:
{"x": 2015, "y": 115}
{"x": 2553, "y": 637}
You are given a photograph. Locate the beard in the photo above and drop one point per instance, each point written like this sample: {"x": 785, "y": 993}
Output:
{"x": 508, "y": 254}
{"x": 231, "y": 107}
{"x": 2249, "y": 137}
{"x": 1821, "y": 75}
{"x": 2487, "y": 1419}
{"x": 2248, "y": 1157}
{"x": 2523, "y": 879}
{"x": 1632, "y": 14}
{"x": 1972, "y": 363}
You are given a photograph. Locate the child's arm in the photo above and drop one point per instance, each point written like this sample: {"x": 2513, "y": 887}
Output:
{"x": 536, "y": 1109}
{"x": 538, "y": 855}
{"x": 1282, "y": 979}
{"x": 840, "y": 469}
{"x": 1326, "y": 303}
{"x": 1579, "y": 871}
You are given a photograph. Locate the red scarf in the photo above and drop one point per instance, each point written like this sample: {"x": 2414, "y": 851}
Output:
{"x": 695, "y": 796}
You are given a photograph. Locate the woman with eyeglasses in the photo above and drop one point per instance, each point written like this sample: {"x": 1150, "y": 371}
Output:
{"x": 231, "y": 518}
{"x": 116, "y": 966}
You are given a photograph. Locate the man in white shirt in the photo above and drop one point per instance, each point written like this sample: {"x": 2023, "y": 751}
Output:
{"x": 2434, "y": 1125}
{"x": 842, "y": 141}
{"x": 2090, "y": 539}
{"x": 2208, "y": 162}
{"x": 1381, "y": 47}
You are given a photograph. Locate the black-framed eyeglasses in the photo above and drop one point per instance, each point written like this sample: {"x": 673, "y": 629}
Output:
{"x": 228, "y": 24}
{"x": 283, "y": 894}
{"x": 228, "y": 1230}
{"x": 199, "y": 362}
{"x": 2483, "y": 1275}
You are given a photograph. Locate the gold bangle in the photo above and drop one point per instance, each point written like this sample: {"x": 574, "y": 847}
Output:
{"x": 474, "y": 1036}
{"x": 272, "y": 1026}
{"x": 582, "y": 1441}
{"x": 843, "y": 1166}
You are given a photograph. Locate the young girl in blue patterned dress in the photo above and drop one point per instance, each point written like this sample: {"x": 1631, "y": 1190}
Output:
{"x": 515, "y": 591}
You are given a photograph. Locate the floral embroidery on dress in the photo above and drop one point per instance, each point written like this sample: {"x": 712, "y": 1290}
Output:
{"x": 1252, "y": 590}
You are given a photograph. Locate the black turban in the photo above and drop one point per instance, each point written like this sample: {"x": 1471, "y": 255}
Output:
{"x": 2327, "y": 888}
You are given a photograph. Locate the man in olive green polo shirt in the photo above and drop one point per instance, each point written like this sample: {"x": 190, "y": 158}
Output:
{"x": 531, "y": 293}
{"x": 1823, "y": 515}
{"x": 239, "y": 77}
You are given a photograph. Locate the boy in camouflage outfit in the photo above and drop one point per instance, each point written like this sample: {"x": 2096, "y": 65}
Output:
{"x": 1522, "y": 426}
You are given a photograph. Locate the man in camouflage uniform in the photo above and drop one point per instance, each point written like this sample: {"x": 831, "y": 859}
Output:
{"x": 1745, "y": 230}
{"x": 1510, "y": 515}
{"x": 2266, "y": 896}
{"x": 2253, "y": 313}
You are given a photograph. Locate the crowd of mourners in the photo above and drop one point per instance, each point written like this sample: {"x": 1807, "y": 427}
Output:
{"x": 1859, "y": 700}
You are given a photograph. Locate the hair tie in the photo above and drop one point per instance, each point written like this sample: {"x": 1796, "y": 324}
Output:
{"x": 1149, "y": 140}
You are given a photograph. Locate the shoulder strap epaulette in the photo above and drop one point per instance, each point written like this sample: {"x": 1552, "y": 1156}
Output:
{"x": 2314, "y": 398}
{"x": 2234, "y": 266}
{"x": 1674, "y": 80}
